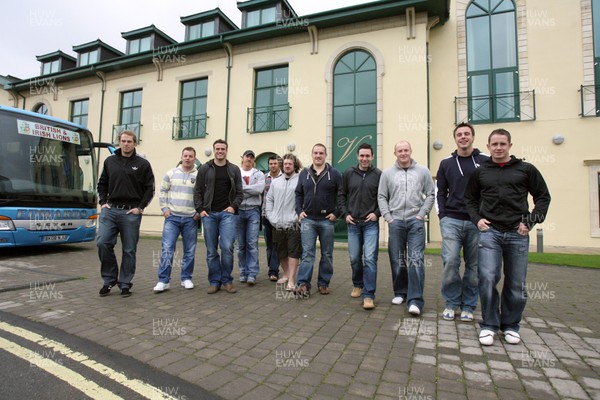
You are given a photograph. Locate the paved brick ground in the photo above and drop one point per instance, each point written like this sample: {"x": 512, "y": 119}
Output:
{"x": 261, "y": 344}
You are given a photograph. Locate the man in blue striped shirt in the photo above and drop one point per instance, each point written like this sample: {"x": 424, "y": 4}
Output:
{"x": 177, "y": 205}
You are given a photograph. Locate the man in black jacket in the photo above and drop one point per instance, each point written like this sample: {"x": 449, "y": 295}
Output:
{"x": 217, "y": 197}
{"x": 357, "y": 201}
{"x": 317, "y": 210}
{"x": 496, "y": 199}
{"x": 125, "y": 188}
{"x": 456, "y": 227}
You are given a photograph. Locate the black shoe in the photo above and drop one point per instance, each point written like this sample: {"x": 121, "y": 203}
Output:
{"x": 125, "y": 292}
{"x": 105, "y": 291}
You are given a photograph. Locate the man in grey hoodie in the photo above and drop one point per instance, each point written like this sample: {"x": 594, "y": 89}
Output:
{"x": 253, "y": 185}
{"x": 405, "y": 196}
{"x": 280, "y": 210}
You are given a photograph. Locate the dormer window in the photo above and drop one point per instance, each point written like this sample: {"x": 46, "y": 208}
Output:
{"x": 201, "y": 30}
{"x": 50, "y": 67}
{"x": 139, "y": 45}
{"x": 261, "y": 16}
{"x": 90, "y": 57}
{"x": 262, "y": 12}
{"x": 146, "y": 39}
{"x": 206, "y": 24}
{"x": 56, "y": 62}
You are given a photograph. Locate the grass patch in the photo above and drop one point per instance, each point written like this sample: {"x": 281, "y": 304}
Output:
{"x": 570, "y": 260}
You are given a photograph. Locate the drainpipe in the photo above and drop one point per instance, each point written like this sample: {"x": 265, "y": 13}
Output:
{"x": 102, "y": 78}
{"x": 229, "y": 52}
{"x": 428, "y": 126}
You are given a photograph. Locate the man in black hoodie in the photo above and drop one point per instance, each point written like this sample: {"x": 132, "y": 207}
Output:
{"x": 456, "y": 227}
{"x": 496, "y": 199}
{"x": 125, "y": 188}
{"x": 316, "y": 206}
{"x": 357, "y": 201}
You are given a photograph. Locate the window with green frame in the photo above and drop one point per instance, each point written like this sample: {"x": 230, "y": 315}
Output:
{"x": 492, "y": 62}
{"x": 201, "y": 30}
{"x": 50, "y": 67}
{"x": 79, "y": 111}
{"x": 90, "y": 57}
{"x": 271, "y": 107}
{"x": 261, "y": 16}
{"x": 192, "y": 114}
{"x": 140, "y": 45}
{"x": 355, "y": 90}
{"x": 130, "y": 114}
{"x": 596, "y": 28}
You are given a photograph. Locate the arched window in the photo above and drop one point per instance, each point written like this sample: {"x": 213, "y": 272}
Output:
{"x": 41, "y": 109}
{"x": 354, "y": 106}
{"x": 492, "y": 68}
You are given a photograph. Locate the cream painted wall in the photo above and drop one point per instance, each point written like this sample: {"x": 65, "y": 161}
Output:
{"x": 555, "y": 72}
{"x": 554, "y": 63}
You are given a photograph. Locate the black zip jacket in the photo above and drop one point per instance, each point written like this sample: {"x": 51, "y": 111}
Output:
{"x": 450, "y": 183}
{"x": 126, "y": 181}
{"x": 204, "y": 189}
{"x": 316, "y": 195}
{"x": 357, "y": 196}
{"x": 499, "y": 194}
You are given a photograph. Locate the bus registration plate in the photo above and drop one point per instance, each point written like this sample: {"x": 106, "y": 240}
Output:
{"x": 54, "y": 238}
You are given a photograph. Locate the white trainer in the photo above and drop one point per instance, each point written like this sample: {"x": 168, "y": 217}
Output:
{"x": 414, "y": 310}
{"x": 512, "y": 337}
{"x": 486, "y": 337}
{"x": 161, "y": 287}
{"x": 188, "y": 284}
{"x": 398, "y": 300}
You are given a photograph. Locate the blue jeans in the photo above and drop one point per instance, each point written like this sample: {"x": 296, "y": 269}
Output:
{"x": 248, "y": 223}
{"x": 457, "y": 292}
{"x": 188, "y": 228}
{"x": 363, "y": 248}
{"x": 272, "y": 258}
{"x": 311, "y": 229}
{"x": 115, "y": 221}
{"x": 219, "y": 230}
{"x": 406, "y": 248}
{"x": 494, "y": 248}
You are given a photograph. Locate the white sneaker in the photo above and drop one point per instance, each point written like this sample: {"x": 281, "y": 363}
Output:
{"x": 466, "y": 316}
{"x": 486, "y": 337}
{"x": 414, "y": 310}
{"x": 448, "y": 314}
{"x": 397, "y": 300}
{"x": 512, "y": 337}
{"x": 161, "y": 287}
{"x": 188, "y": 284}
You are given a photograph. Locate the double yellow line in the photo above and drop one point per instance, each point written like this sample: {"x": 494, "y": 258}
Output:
{"x": 76, "y": 380}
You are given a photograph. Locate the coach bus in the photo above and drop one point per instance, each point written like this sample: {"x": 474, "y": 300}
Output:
{"x": 47, "y": 180}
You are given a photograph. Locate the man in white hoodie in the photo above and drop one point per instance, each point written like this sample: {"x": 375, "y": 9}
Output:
{"x": 280, "y": 209}
{"x": 405, "y": 196}
{"x": 253, "y": 185}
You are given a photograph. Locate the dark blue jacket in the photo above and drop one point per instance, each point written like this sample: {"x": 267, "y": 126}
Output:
{"x": 317, "y": 195}
{"x": 451, "y": 181}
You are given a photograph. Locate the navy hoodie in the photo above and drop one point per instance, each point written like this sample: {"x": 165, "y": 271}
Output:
{"x": 451, "y": 181}
{"x": 316, "y": 195}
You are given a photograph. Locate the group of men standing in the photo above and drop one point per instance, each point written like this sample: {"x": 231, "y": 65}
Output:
{"x": 481, "y": 203}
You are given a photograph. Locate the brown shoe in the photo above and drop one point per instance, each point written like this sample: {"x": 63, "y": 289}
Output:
{"x": 230, "y": 288}
{"x": 302, "y": 291}
{"x": 368, "y": 303}
{"x": 356, "y": 292}
{"x": 213, "y": 289}
{"x": 323, "y": 290}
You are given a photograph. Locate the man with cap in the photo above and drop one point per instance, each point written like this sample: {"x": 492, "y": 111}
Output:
{"x": 253, "y": 185}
